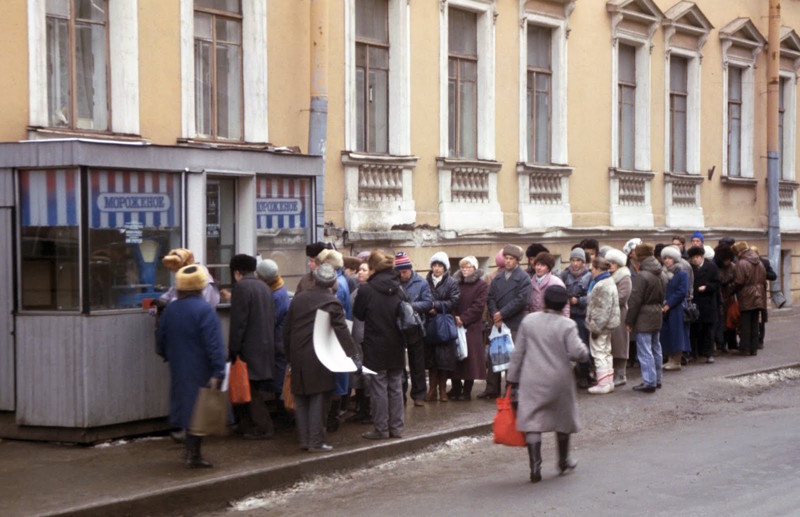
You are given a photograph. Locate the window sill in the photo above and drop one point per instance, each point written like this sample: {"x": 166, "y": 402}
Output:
{"x": 683, "y": 177}
{"x": 356, "y": 159}
{"x": 237, "y": 144}
{"x": 738, "y": 181}
{"x": 554, "y": 170}
{"x": 615, "y": 173}
{"x": 458, "y": 163}
{"x": 47, "y": 133}
{"x": 792, "y": 184}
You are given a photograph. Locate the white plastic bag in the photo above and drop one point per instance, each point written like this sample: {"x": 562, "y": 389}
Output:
{"x": 461, "y": 349}
{"x": 500, "y": 348}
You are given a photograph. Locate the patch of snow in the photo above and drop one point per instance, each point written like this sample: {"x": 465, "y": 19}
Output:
{"x": 766, "y": 379}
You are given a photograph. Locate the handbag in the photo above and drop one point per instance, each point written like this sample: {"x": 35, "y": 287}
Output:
{"x": 501, "y": 345}
{"x": 409, "y": 321}
{"x": 504, "y": 426}
{"x": 691, "y": 312}
{"x": 440, "y": 329}
{"x": 239, "y": 383}
{"x": 210, "y": 413}
{"x": 288, "y": 397}
{"x": 732, "y": 315}
{"x": 462, "y": 351}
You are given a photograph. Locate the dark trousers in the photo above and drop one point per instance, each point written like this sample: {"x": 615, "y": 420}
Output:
{"x": 748, "y": 331}
{"x": 309, "y": 414}
{"x": 254, "y": 417}
{"x": 702, "y": 336}
{"x": 416, "y": 364}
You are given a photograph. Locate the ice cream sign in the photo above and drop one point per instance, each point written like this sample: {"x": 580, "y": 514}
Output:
{"x": 129, "y": 202}
{"x": 279, "y": 206}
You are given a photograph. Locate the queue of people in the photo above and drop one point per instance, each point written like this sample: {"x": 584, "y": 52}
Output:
{"x": 656, "y": 306}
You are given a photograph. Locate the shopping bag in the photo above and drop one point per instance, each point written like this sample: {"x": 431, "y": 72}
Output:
{"x": 462, "y": 350}
{"x": 441, "y": 329}
{"x": 288, "y": 397}
{"x": 239, "y": 383}
{"x": 732, "y": 315}
{"x": 500, "y": 348}
{"x": 210, "y": 414}
{"x": 504, "y": 426}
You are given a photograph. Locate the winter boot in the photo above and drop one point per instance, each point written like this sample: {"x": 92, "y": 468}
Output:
{"x": 466, "y": 391}
{"x": 620, "y": 378}
{"x": 565, "y": 464}
{"x": 194, "y": 460}
{"x": 455, "y": 391}
{"x": 433, "y": 384}
{"x": 535, "y": 458}
{"x": 674, "y": 363}
{"x": 442, "y": 387}
{"x": 605, "y": 382}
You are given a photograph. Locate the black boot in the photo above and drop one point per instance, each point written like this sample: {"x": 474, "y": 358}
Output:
{"x": 466, "y": 391}
{"x": 565, "y": 464}
{"x": 194, "y": 460}
{"x": 455, "y": 391}
{"x": 535, "y": 457}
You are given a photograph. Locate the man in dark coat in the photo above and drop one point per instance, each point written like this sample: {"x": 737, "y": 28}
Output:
{"x": 312, "y": 382}
{"x": 252, "y": 338}
{"x": 419, "y": 294}
{"x": 189, "y": 337}
{"x": 645, "y": 317}
{"x": 750, "y": 281}
{"x": 706, "y": 288}
{"x": 312, "y": 251}
{"x": 509, "y": 295}
{"x": 383, "y": 345}
{"x": 771, "y": 277}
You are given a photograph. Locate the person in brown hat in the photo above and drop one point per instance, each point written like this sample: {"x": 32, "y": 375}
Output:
{"x": 749, "y": 280}
{"x": 178, "y": 258}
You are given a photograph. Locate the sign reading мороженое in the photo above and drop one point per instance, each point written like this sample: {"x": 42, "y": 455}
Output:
{"x": 132, "y": 202}
{"x": 279, "y": 206}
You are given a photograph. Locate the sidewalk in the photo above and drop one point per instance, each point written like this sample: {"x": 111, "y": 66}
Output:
{"x": 146, "y": 476}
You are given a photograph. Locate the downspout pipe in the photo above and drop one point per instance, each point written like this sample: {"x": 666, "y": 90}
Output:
{"x": 773, "y": 148}
{"x": 318, "y": 113}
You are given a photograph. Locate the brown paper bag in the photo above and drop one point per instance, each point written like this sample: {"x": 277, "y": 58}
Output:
{"x": 210, "y": 415}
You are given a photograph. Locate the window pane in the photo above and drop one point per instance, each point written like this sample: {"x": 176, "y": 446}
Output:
{"x": 542, "y": 118}
{"x": 202, "y": 87}
{"x": 452, "y": 116}
{"x": 734, "y": 139}
{"x": 462, "y": 33}
{"x": 469, "y": 119}
{"x": 361, "y": 109}
{"x": 134, "y": 220}
{"x": 529, "y": 117}
{"x": 678, "y": 135}
{"x": 229, "y": 30}
{"x": 202, "y": 26}
{"x": 58, "y": 8}
{"x": 58, "y": 87}
{"x": 284, "y": 218}
{"x": 627, "y": 127}
{"x": 229, "y": 92}
{"x": 678, "y": 69}
{"x": 538, "y": 47}
{"x": 49, "y": 266}
{"x": 371, "y": 20}
{"x": 94, "y": 10}
{"x": 379, "y": 111}
{"x": 734, "y": 83}
{"x": 234, "y": 6}
{"x": 220, "y": 228}
{"x": 90, "y": 77}
{"x": 627, "y": 64}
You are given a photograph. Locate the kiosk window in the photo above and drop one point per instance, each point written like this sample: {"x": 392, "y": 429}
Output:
{"x": 220, "y": 229}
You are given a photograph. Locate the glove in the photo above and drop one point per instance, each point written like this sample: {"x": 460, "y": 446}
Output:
{"x": 232, "y": 357}
{"x": 214, "y": 383}
{"x": 514, "y": 398}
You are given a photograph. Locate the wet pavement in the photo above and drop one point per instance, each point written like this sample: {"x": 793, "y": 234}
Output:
{"x": 146, "y": 476}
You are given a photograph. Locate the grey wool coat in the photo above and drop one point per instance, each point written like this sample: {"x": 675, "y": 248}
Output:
{"x": 540, "y": 366}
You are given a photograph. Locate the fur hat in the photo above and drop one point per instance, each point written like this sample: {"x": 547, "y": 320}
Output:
{"x": 324, "y": 275}
{"x": 722, "y": 254}
{"x": 332, "y": 257}
{"x": 243, "y": 263}
{"x": 380, "y": 261}
{"x": 672, "y": 252}
{"x": 500, "y": 259}
{"x": 709, "y": 252}
{"x": 727, "y": 241}
{"x": 363, "y": 256}
{"x": 630, "y": 245}
{"x": 352, "y": 263}
{"x": 601, "y": 263}
{"x": 739, "y": 247}
{"x": 546, "y": 259}
{"x": 534, "y": 249}
{"x": 555, "y": 297}
{"x": 602, "y": 251}
{"x": 696, "y": 251}
{"x": 314, "y": 249}
{"x": 191, "y": 278}
{"x": 401, "y": 261}
{"x": 642, "y": 251}
{"x": 469, "y": 260}
{"x": 514, "y": 251}
{"x": 698, "y": 235}
{"x": 177, "y": 258}
{"x": 616, "y": 256}
{"x": 577, "y": 253}
{"x": 442, "y": 258}
{"x": 267, "y": 270}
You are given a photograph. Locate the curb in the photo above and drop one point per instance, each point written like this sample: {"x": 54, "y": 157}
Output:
{"x": 215, "y": 493}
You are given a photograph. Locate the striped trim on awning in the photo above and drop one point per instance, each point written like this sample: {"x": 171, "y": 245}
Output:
{"x": 50, "y": 197}
{"x": 282, "y": 203}
{"x": 119, "y": 198}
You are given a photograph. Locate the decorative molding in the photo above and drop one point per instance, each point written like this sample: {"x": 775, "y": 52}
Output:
{"x": 468, "y": 194}
{"x": 738, "y": 181}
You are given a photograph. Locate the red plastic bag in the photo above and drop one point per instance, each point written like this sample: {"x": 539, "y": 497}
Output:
{"x": 239, "y": 385}
{"x": 732, "y": 315}
{"x": 505, "y": 424}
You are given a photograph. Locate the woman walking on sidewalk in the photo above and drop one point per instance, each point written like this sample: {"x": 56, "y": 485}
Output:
{"x": 541, "y": 374}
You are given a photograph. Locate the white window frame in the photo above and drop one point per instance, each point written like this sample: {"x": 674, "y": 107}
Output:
{"x": 693, "y": 114}
{"x": 641, "y": 158}
{"x": 484, "y": 9}
{"x": 789, "y": 125}
{"x": 123, "y": 59}
{"x": 254, "y": 70}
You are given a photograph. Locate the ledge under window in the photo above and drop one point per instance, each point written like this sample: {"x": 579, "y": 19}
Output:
{"x": 534, "y": 168}
{"x": 615, "y": 172}
{"x": 683, "y": 177}
{"x": 46, "y": 133}
{"x": 738, "y": 181}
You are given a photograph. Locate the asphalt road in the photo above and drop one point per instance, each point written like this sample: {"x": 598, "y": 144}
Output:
{"x": 745, "y": 462}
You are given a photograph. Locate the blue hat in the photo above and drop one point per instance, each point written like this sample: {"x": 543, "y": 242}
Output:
{"x": 698, "y": 235}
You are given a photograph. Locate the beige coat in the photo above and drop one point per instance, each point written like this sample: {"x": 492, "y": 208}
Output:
{"x": 546, "y": 342}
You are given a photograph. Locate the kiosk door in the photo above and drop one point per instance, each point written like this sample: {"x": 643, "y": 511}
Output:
{"x": 7, "y": 362}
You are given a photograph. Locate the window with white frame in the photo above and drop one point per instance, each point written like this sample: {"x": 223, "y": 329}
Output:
{"x": 462, "y": 61}
{"x": 781, "y": 121}
{"x": 372, "y": 76}
{"x": 734, "y": 147}
{"x": 678, "y": 103}
{"x": 539, "y": 94}
{"x": 626, "y": 88}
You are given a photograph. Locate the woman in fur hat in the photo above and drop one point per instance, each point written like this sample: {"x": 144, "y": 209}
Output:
{"x": 178, "y": 258}
{"x": 673, "y": 337}
{"x": 469, "y": 311}
{"x": 440, "y": 357}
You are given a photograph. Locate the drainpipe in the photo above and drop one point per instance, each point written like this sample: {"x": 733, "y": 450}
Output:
{"x": 773, "y": 150}
{"x": 318, "y": 116}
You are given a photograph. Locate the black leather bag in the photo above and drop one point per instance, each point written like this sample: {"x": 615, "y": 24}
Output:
{"x": 409, "y": 321}
{"x": 691, "y": 312}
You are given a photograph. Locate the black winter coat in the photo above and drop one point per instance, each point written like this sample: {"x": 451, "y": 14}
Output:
{"x": 252, "y": 327}
{"x": 445, "y": 293}
{"x": 647, "y": 297}
{"x": 706, "y": 275}
{"x": 510, "y": 296}
{"x": 376, "y": 305}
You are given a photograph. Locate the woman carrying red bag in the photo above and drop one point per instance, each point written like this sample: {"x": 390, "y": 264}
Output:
{"x": 541, "y": 376}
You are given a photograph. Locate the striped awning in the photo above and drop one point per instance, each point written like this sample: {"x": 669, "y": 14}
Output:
{"x": 124, "y": 198}
{"x": 50, "y": 197}
{"x": 283, "y": 203}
